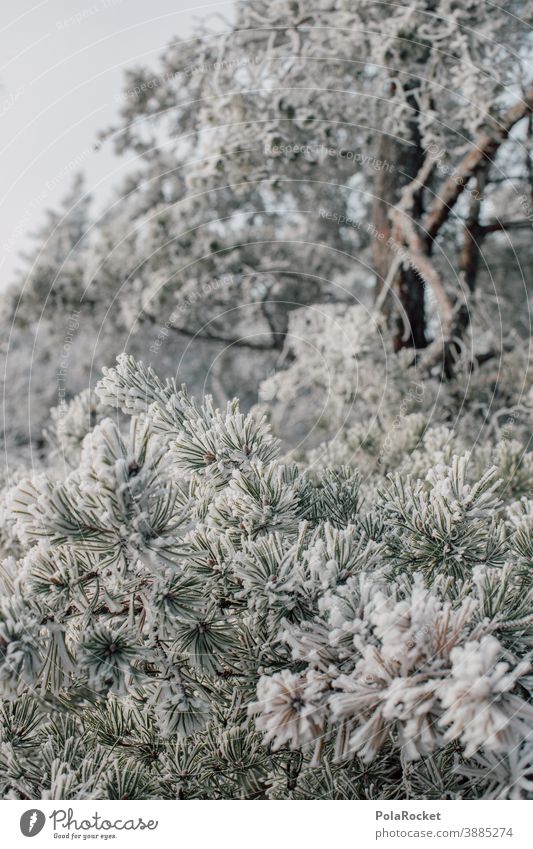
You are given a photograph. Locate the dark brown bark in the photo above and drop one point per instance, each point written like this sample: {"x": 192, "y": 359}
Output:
{"x": 473, "y": 233}
{"x": 418, "y": 232}
{"x": 405, "y": 304}
{"x": 478, "y": 158}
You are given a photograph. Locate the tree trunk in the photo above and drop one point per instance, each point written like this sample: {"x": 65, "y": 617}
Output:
{"x": 406, "y": 302}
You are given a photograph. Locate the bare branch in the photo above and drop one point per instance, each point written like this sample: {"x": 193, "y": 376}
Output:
{"x": 419, "y": 236}
{"x": 483, "y": 150}
{"x": 208, "y": 336}
{"x": 419, "y": 258}
{"x": 496, "y": 226}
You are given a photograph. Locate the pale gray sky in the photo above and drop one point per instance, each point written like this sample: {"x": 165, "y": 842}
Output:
{"x": 61, "y": 64}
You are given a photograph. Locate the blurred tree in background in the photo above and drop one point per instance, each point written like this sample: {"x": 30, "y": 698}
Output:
{"x": 297, "y": 155}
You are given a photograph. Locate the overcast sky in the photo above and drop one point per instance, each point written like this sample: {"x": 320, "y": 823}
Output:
{"x": 61, "y": 64}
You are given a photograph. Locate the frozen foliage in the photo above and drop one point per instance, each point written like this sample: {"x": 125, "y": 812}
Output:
{"x": 346, "y": 398}
{"x": 329, "y": 596}
{"x": 270, "y": 156}
{"x": 187, "y": 614}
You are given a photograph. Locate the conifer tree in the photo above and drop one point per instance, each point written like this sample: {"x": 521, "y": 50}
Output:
{"x": 188, "y": 613}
